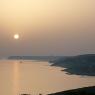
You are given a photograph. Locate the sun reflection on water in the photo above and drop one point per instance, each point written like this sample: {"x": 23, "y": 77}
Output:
{"x": 16, "y": 78}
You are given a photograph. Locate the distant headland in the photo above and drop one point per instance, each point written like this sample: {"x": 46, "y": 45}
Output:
{"x": 78, "y": 65}
{"x": 42, "y": 58}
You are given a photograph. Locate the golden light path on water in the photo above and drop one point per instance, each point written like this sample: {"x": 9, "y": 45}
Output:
{"x": 16, "y": 78}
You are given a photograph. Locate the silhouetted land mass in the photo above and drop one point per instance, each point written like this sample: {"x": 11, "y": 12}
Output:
{"x": 42, "y": 58}
{"x": 80, "y": 91}
{"x": 78, "y": 65}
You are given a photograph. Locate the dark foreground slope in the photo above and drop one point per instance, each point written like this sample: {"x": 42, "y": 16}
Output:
{"x": 80, "y": 91}
{"x": 79, "y": 65}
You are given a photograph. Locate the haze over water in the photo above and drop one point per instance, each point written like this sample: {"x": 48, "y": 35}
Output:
{"x": 36, "y": 77}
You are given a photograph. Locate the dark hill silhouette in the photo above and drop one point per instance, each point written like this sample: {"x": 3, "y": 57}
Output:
{"x": 80, "y": 91}
{"x": 79, "y": 65}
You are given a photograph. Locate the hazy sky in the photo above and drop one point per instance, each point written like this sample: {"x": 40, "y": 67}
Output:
{"x": 47, "y": 27}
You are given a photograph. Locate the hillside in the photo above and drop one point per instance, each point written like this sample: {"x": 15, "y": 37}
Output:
{"x": 79, "y": 65}
{"x": 80, "y": 91}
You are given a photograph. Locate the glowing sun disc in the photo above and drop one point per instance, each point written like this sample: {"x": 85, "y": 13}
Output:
{"x": 16, "y": 36}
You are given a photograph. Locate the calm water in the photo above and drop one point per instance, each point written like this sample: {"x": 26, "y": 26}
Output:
{"x": 37, "y": 77}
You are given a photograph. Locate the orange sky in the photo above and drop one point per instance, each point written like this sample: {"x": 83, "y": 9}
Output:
{"x": 47, "y": 27}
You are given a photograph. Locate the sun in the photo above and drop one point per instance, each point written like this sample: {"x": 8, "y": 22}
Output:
{"x": 16, "y": 36}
